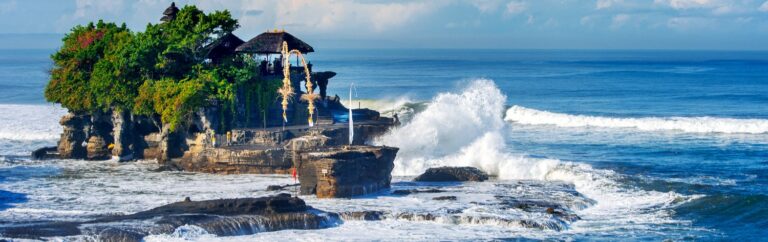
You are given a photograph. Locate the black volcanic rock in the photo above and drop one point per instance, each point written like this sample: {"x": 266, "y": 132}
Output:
{"x": 448, "y": 174}
{"x": 444, "y": 198}
{"x": 223, "y": 217}
{"x": 413, "y": 191}
{"x": 45, "y": 153}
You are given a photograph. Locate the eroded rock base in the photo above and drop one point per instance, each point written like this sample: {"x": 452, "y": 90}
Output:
{"x": 345, "y": 171}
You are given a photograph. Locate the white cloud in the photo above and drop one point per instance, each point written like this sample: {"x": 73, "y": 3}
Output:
{"x": 487, "y": 6}
{"x": 764, "y": 7}
{"x": 515, "y": 7}
{"x": 95, "y": 7}
{"x": 601, "y": 4}
{"x": 322, "y": 16}
{"x": 687, "y": 23}
{"x": 588, "y": 20}
{"x": 717, "y": 7}
{"x": 688, "y": 4}
{"x": 619, "y": 20}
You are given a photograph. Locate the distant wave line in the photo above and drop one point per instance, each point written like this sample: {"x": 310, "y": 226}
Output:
{"x": 523, "y": 115}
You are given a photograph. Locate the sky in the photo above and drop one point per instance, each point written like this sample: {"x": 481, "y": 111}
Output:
{"x": 486, "y": 24}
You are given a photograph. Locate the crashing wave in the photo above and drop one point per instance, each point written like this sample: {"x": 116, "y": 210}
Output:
{"x": 30, "y": 122}
{"x": 523, "y": 115}
{"x": 466, "y": 129}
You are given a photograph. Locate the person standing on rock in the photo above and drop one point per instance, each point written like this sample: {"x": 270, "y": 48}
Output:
{"x": 229, "y": 138}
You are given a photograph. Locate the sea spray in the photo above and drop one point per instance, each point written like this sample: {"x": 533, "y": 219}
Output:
{"x": 27, "y": 127}
{"x": 523, "y": 115}
{"x": 465, "y": 129}
{"x": 450, "y": 122}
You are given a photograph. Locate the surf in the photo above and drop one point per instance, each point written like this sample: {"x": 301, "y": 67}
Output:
{"x": 704, "y": 124}
{"x": 466, "y": 128}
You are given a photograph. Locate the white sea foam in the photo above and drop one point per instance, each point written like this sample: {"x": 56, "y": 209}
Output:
{"x": 30, "y": 122}
{"x": 24, "y": 128}
{"x": 523, "y": 115}
{"x": 466, "y": 129}
{"x": 183, "y": 233}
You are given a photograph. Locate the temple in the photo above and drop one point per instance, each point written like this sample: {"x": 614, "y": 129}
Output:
{"x": 277, "y": 124}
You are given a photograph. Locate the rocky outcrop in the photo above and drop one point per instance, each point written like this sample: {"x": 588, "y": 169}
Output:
{"x": 262, "y": 151}
{"x": 444, "y": 198}
{"x": 345, "y": 171}
{"x": 457, "y": 216}
{"x": 447, "y": 174}
{"x": 97, "y": 148}
{"x": 223, "y": 217}
{"x": 123, "y": 131}
{"x": 234, "y": 160}
{"x": 73, "y": 136}
{"x": 45, "y": 153}
{"x": 414, "y": 191}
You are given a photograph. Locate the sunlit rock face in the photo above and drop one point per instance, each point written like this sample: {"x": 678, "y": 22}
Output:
{"x": 346, "y": 171}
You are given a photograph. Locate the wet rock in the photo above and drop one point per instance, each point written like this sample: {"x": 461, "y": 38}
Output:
{"x": 362, "y": 215}
{"x": 223, "y": 217}
{"x": 448, "y": 174}
{"x": 73, "y": 136}
{"x": 274, "y": 188}
{"x": 556, "y": 225}
{"x": 45, "y": 153}
{"x": 271, "y": 188}
{"x": 119, "y": 235}
{"x": 345, "y": 171}
{"x": 530, "y": 205}
{"x": 123, "y": 132}
{"x": 413, "y": 191}
{"x": 445, "y": 198}
{"x": 98, "y": 149}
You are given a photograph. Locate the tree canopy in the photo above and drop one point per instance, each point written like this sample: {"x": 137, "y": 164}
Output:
{"x": 160, "y": 71}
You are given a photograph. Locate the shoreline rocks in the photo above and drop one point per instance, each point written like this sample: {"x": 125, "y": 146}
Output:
{"x": 345, "y": 171}
{"x": 223, "y": 217}
{"x": 452, "y": 174}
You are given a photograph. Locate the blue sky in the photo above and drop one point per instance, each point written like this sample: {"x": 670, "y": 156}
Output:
{"x": 518, "y": 24}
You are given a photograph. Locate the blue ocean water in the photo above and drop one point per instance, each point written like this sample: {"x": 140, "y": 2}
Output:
{"x": 729, "y": 169}
{"x": 689, "y": 123}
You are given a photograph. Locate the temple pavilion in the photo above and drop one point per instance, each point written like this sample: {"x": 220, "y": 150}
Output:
{"x": 266, "y": 49}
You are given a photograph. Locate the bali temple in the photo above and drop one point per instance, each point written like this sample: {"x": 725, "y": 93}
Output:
{"x": 281, "y": 123}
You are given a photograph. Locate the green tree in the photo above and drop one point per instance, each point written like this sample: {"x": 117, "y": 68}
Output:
{"x": 161, "y": 71}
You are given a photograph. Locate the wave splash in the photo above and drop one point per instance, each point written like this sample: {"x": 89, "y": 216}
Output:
{"x": 30, "y": 122}
{"x": 523, "y": 115}
{"x": 465, "y": 129}
{"x": 27, "y": 127}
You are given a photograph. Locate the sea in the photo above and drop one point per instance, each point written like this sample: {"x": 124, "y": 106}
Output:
{"x": 641, "y": 145}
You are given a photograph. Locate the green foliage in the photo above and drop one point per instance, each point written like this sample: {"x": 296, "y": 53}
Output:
{"x": 161, "y": 71}
{"x": 81, "y": 55}
{"x": 173, "y": 100}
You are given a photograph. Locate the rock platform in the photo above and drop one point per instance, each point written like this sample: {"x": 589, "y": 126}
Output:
{"x": 222, "y": 217}
{"x": 345, "y": 171}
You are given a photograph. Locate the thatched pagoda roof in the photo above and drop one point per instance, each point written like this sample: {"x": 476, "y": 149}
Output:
{"x": 171, "y": 10}
{"x": 170, "y": 13}
{"x": 223, "y": 46}
{"x": 271, "y": 42}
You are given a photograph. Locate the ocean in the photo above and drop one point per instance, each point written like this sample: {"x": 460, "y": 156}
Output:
{"x": 640, "y": 145}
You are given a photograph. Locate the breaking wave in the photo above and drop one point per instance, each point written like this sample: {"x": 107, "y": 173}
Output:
{"x": 30, "y": 122}
{"x": 465, "y": 129}
{"x": 523, "y": 115}
{"x": 27, "y": 127}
